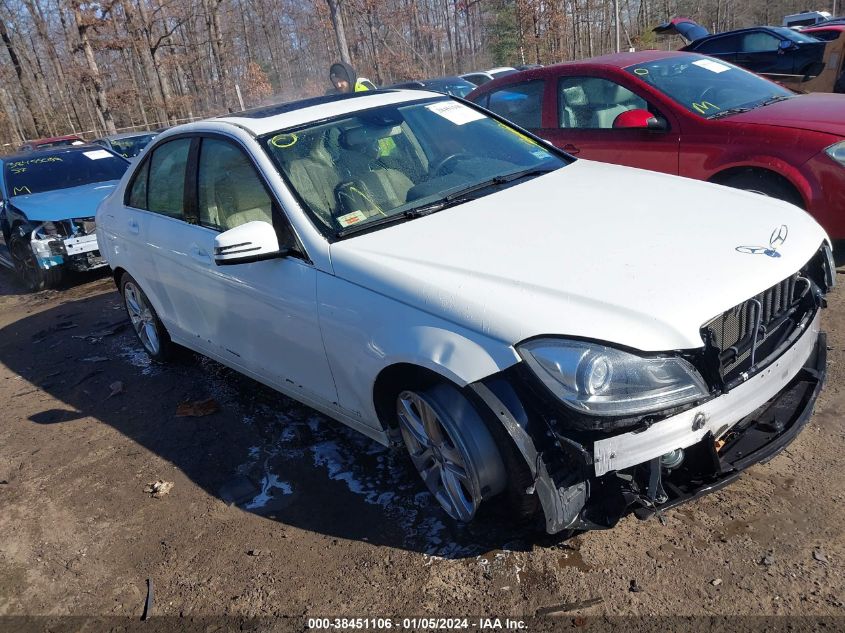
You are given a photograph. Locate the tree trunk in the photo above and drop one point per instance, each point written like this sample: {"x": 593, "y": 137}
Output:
{"x": 339, "y": 31}
{"x": 100, "y": 100}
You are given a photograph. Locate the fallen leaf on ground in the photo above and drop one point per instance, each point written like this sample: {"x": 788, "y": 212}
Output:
{"x": 197, "y": 408}
{"x": 158, "y": 488}
{"x": 115, "y": 388}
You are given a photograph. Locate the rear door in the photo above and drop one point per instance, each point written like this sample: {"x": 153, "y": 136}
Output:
{"x": 520, "y": 103}
{"x": 581, "y": 117}
{"x": 725, "y": 47}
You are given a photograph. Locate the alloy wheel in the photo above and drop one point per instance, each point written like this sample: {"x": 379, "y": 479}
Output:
{"x": 142, "y": 317}
{"x": 441, "y": 458}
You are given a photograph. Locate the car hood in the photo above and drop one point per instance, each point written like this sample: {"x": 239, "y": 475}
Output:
{"x": 598, "y": 251}
{"x": 820, "y": 112}
{"x": 64, "y": 204}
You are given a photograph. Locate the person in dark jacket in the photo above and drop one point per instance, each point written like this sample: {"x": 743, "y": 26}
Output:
{"x": 345, "y": 79}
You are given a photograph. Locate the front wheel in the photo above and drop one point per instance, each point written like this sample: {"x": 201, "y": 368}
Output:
{"x": 31, "y": 275}
{"x": 765, "y": 184}
{"x": 460, "y": 461}
{"x": 148, "y": 327}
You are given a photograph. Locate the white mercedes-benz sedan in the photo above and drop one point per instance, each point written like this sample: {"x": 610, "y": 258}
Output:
{"x": 570, "y": 340}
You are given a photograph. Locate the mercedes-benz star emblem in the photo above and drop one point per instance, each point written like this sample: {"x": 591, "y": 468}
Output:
{"x": 777, "y": 239}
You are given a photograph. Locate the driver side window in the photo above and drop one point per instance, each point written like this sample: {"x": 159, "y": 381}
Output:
{"x": 593, "y": 103}
{"x": 230, "y": 191}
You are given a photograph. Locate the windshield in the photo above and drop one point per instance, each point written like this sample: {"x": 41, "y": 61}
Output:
{"x": 131, "y": 146}
{"x": 392, "y": 162}
{"x": 708, "y": 87}
{"x": 48, "y": 171}
{"x": 795, "y": 36}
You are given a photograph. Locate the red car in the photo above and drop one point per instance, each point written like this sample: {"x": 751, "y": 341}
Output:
{"x": 54, "y": 141}
{"x": 691, "y": 115}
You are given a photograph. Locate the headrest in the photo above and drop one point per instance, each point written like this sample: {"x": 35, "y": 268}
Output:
{"x": 574, "y": 96}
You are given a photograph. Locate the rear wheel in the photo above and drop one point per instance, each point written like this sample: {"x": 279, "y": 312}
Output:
{"x": 765, "y": 184}
{"x": 148, "y": 327}
{"x": 31, "y": 275}
{"x": 458, "y": 458}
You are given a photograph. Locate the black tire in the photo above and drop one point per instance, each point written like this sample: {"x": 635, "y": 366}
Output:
{"x": 839, "y": 88}
{"x": 30, "y": 274}
{"x": 504, "y": 494}
{"x": 142, "y": 316}
{"x": 765, "y": 184}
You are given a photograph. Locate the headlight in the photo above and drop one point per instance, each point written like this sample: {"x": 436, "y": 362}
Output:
{"x": 602, "y": 380}
{"x": 837, "y": 152}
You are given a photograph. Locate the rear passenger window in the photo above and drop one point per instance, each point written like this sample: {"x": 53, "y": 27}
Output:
{"x": 138, "y": 193}
{"x": 520, "y": 103}
{"x": 166, "y": 182}
{"x": 230, "y": 191}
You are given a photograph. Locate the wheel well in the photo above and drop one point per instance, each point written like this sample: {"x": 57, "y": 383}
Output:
{"x": 117, "y": 273}
{"x": 724, "y": 177}
{"x": 391, "y": 380}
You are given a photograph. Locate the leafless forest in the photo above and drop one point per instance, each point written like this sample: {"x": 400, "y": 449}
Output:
{"x": 99, "y": 67}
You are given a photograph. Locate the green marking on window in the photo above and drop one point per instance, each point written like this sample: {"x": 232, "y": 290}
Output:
{"x": 283, "y": 141}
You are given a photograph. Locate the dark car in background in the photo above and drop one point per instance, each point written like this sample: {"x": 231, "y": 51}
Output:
{"x": 48, "y": 199}
{"x": 455, "y": 86}
{"x": 688, "y": 115}
{"x": 129, "y": 144}
{"x": 775, "y": 50}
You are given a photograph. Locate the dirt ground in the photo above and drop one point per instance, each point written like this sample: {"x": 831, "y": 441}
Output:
{"x": 278, "y": 511}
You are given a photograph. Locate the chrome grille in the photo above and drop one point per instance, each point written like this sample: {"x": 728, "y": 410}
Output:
{"x": 732, "y": 333}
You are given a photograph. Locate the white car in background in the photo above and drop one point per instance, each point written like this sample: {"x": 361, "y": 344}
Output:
{"x": 483, "y": 76}
{"x": 574, "y": 339}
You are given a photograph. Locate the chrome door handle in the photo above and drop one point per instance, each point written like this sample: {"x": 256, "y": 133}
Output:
{"x": 569, "y": 148}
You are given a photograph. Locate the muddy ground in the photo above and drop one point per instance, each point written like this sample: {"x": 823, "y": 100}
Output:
{"x": 278, "y": 511}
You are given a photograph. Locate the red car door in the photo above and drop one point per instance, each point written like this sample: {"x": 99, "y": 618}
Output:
{"x": 579, "y": 115}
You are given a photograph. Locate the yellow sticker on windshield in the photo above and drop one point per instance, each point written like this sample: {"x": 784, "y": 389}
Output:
{"x": 283, "y": 141}
{"x": 704, "y": 106}
{"x": 527, "y": 139}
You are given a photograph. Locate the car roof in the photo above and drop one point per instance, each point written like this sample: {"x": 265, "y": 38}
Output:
{"x": 116, "y": 137}
{"x": 268, "y": 119}
{"x": 52, "y": 139}
{"x": 53, "y": 151}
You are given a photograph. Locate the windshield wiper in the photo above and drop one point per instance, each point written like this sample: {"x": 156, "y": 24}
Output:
{"x": 737, "y": 110}
{"x": 449, "y": 200}
{"x": 740, "y": 109}
{"x": 774, "y": 99}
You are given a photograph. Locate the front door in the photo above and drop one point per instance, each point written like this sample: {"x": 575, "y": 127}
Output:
{"x": 582, "y": 124}
{"x": 260, "y": 316}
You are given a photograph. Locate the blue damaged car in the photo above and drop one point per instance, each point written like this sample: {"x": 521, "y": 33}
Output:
{"x": 48, "y": 200}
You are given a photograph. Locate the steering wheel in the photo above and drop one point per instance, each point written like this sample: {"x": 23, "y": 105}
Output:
{"x": 439, "y": 165}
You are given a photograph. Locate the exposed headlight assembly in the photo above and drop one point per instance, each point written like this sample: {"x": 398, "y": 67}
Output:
{"x": 837, "y": 152}
{"x": 601, "y": 380}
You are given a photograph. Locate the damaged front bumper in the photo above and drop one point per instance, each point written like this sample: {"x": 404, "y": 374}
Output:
{"x": 590, "y": 483}
{"x": 69, "y": 243}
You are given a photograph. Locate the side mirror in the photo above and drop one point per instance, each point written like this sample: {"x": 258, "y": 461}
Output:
{"x": 639, "y": 119}
{"x": 786, "y": 45}
{"x": 250, "y": 242}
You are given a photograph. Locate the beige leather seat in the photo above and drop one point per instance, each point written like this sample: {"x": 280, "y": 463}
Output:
{"x": 607, "y": 101}
{"x": 239, "y": 196}
{"x": 314, "y": 175}
{"x": 573, "y": 102}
